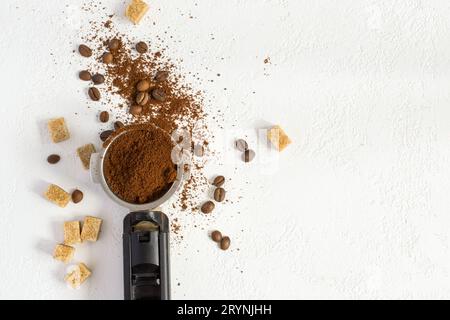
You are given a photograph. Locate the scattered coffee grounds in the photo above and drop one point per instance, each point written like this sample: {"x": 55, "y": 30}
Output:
{"x": 138, "y": 167}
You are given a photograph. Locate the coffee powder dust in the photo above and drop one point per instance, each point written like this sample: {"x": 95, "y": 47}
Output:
{"x": 138, "y": 166}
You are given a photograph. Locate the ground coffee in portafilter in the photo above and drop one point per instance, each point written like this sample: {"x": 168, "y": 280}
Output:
{"x": 138, "y": 167}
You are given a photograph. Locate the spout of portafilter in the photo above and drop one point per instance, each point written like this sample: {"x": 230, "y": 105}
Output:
{"x": 146, "y": 256}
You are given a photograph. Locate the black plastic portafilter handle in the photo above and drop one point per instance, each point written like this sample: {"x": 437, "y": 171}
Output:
{"x": 146, "y": 257}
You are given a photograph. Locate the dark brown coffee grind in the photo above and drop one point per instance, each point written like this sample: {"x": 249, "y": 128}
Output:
{"x": 138, "y": 167}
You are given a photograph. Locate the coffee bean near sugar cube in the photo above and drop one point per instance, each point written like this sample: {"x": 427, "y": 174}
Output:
{"x": 77, "y": 196}
{"x": 53, "y": 158}
{"x": 241, "y": 145}
{"x": 248, "y": 155}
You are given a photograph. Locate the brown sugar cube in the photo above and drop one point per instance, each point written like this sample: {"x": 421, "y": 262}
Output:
{"x": 72, "y": 233}
{"x": 278, "y": 137}
{"x": 57, "y": 195}
{"x": 73, "y": 279}
{"x": 91, "y": 228}
{"x": 63, "y": 253}
{"x": 58, "y": 130}
{"x": 84, "y": 272}
{"x": 85, "y": 153}
{"x": 136, "y": 10}
{"x": 78, "y": 275}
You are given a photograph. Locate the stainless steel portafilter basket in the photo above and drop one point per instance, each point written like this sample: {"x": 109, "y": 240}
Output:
{"x": 145, "y": 237}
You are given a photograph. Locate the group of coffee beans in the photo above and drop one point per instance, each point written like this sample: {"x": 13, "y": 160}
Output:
{"x": 145, "y": 93}
{"x": 247, "y": 154}
{"x": 223, "y": 241}
{"x": 98, "y": 79}
{"x": 219, "y": 195}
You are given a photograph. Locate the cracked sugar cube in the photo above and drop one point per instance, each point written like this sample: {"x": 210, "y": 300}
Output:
{"x": 63, "y": 253}
{"x": 91, "y": 229}
{"x": 72, "y": 232}
{"x": 278, "y": 138}
{"x": 85, "y": 153}
{"x": 73, "y": 278}
{"x": 57, "y": 195}
{"x": 84, "y": 272}
{"x": 78, "y": 275}
{"x": 58, "y": 130}
{"x": 136, "y": 10}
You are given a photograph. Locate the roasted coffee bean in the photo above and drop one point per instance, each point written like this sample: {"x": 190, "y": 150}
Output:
{"x": 161, "y": 76}
{"x": 77, "y": 196}
{"x": 225, "y": 243}
{"x": 248, "y": 155}
{"x": 94, "y": 94}
{"x": 107, "y": 57}
{"x": 85, "y": 75}
{"x": 141, "y": 47}
{"x": 241, "y": 145}
{"x": 143, "y": 85}
{"x": 142, "y": 98}
{"x": 216, "y": 236}
{"x": 219, "y": 194}
{"x": 53, "y": 158}
{"x": 136, "y": 110}
{"x": 219, "y": 181}
{"x": 208, "y": 207}
{"x": 105, "y": 135}
{"x": 98, "y": 78}
{"x": 85, "y": 51}
{"x": 158, "y": 94}
{"x": 118, "y": 125}
{"x": 104, "y": 116}
{"x": 114, "y": 44}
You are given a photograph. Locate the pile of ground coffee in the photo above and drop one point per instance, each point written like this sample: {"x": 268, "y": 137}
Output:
{"x": 138, "y": 166}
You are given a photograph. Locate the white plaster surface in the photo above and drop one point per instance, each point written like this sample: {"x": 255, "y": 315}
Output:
{"x": 357, "y": 207}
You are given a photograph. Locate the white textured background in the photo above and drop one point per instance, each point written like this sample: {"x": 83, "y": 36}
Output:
{"x": 357, "y": 207}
